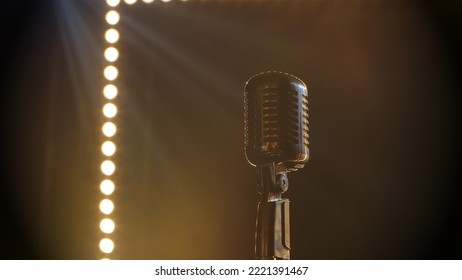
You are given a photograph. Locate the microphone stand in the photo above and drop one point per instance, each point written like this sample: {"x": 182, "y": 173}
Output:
{"x": 272, "y": 237}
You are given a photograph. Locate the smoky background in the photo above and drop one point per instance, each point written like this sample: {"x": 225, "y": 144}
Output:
{"x": 383, "y": 83}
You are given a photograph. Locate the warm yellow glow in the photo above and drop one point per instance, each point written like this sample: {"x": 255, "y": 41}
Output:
{"x": 108, "y": 167}
{"x": 111, "y": 73}
{"x": 111, "y": 35}
{"x": 112, "y": 17}
{"x": 148, "y": 1}
{"x": 106, "y": 206}
{"x": 113, "y": 3}
{"x": 107, "y": 187}
{"x": 110, "y": 110}
{"x": 108, "y": 148}
{"x": 110, "y": 91}
{"x": 109, "y": 129}
{"x": 111, "y": 54}
{"x": 106, "y": 245}
{"x": 130, "y": 2}
{"x": 107, "y": 225}
{"x": 166, "y": 0}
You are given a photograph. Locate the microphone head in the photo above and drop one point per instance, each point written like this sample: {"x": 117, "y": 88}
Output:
{"x": 276, "y": 120}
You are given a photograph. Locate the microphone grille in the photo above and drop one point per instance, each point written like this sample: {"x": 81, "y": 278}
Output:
{"x": 306, "y": 142}
{"x": 276, "y": 120}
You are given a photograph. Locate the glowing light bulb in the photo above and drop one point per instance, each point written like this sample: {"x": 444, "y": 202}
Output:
{"x": 111, "y": 73}
{"x": 148, "y": 1}
{"x": 112, "y": 17}
{"x": 130, "y": 2}
{"x": 106, "y": 206}
{"x": 108, "y": 167}
{"x": 107, "y": 187}
{"x": 106, "y": 245}
{"x": 111, "y": 54}
{"x": 108, "y": 148}
{"x": 111, "y": 35}
{"x": 166, "y": 1}
{"x": 110, "y": 110}
{"x": 109, "y": 129}
{"x": 107, "y": 225}
{"x": 110, "y": 91}
{"x": 113, "y": 3}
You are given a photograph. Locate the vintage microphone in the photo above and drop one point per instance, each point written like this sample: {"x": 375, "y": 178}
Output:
{"x": 276, "y": 142}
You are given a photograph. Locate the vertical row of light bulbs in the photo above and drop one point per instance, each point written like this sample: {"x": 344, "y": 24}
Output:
{"x": 109, "y": 129}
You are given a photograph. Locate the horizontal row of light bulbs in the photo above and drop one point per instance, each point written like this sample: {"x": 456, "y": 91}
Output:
{"x": 114, "y": 3}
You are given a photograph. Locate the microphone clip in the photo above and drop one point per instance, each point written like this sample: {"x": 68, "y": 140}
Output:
{"x": 272, "y": 180}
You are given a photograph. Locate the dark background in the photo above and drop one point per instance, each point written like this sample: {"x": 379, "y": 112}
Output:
{"x": 383, "y": 81}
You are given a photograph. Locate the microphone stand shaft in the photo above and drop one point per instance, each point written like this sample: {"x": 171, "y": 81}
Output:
{"x": 273, "y": 231}
{"x": 272, "y": 236}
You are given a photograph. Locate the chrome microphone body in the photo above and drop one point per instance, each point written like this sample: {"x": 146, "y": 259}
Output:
{"x": 276, "y": 142}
